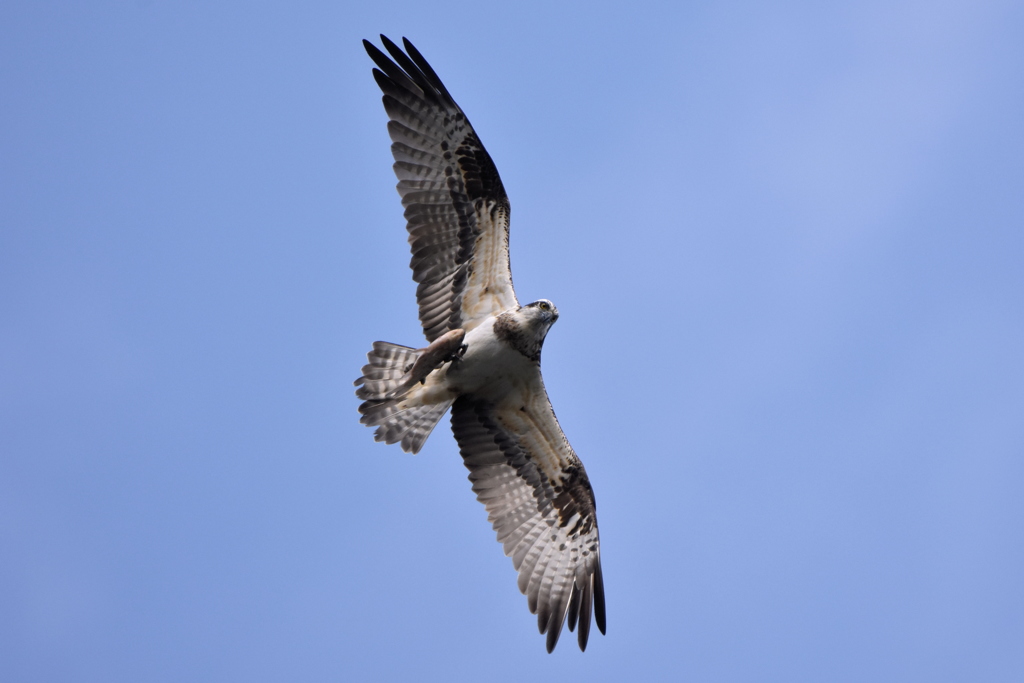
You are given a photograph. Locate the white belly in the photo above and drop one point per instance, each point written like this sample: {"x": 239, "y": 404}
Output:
{"x": 490, "y": 368}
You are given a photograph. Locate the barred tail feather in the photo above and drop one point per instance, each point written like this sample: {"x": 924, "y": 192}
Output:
{"x": 409, "y": 426}
{"x": 383, "y": 374}
{"x": 390, "y": 404}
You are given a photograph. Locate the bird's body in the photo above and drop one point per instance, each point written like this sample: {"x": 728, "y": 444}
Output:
{"x": 493, "y": 367}
{"x": 483, "y": 359}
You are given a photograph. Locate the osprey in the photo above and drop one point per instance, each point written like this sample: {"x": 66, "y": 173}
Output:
{"x": 483, "y": 356}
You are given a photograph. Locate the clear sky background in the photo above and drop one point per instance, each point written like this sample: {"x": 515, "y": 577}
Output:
{"x": 787, "y": 244}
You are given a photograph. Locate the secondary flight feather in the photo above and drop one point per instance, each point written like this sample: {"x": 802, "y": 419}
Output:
{"x": 483, "y": 354}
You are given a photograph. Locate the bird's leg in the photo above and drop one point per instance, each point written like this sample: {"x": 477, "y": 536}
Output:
{"x": 457, "y": 354}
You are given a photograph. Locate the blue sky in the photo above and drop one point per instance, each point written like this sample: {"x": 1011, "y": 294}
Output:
{"x": 786, "y": 241}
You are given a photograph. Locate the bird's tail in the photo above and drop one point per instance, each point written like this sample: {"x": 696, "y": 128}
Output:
{"x": 383, "y": 374}
{"x": 402, "y": 413}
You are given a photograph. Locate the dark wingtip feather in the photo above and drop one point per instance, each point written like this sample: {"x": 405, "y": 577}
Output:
{"x": 599, "y": 599}
{"x": 552, "y": 640}
{"x": 585, "y": 609}
{"x": 390, "y": 46}
{"x": 419, "y": 71}
{"x": 427, "y": 70}
{"x": 556, "y": 620}
{"x": 393, "y": 71}
{"x": 382, "y": 79}
{"x": 378, "y": 57}
{"x": 574, "y": 606}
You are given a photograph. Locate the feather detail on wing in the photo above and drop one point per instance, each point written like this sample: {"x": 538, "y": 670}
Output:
{"x": 455, "y": 204}
{"x": 540, "y": 502}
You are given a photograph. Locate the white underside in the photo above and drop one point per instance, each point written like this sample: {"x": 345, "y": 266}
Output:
{"x": 490, "y": 369}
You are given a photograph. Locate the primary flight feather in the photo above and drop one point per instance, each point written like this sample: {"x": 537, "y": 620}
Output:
{"x": 483, "y": 357}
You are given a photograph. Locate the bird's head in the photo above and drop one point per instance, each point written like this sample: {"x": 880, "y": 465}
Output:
{"x": 526, "y": 327}
{"x": 538, "y": 318}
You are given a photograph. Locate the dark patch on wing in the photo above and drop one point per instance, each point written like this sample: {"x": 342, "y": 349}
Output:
{"x": 447, "y": 181}
{"x": 480, "y": 175}
{"x": 548, "y": 528}
{"x": 574, "y": 496}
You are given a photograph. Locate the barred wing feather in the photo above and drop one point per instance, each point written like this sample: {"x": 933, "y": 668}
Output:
{"x": 456, "y": 209}
{"x": 540, "y": 503}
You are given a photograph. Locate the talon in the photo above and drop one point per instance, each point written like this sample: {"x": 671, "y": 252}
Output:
{"x": 456, "y": 355}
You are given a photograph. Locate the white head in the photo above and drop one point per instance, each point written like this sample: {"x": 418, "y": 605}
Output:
{"x": 540, "y": 315}
{"x": 526, "y": 327}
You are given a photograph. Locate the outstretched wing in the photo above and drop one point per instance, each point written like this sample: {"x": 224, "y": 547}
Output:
{"x": 539, "y": 500}
{"x": 455, "y": 204}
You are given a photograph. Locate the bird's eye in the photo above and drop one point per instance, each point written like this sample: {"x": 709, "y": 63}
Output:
{"x": 544, "y": 306}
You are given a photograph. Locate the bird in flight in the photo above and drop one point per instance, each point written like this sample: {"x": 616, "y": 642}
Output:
{"x": 483, "y": 354}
